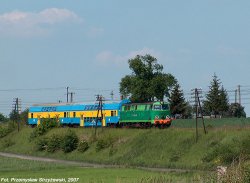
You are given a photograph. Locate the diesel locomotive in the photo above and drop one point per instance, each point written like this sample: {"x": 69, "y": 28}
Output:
{"x": 116, "y": 114}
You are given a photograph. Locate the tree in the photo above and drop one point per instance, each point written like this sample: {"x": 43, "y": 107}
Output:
{"x": 236, "y": 110}
{"x": 14, "y": 116}
{"x": 24, "y": 116}
{"x": 217, "y": 99}
{"x": 188, "y": 113}
{"x": 177, "y": 101}
{"x": 2, "y": 118}
{"x": 147, "y": 80}
{"x": 224, "y": 101}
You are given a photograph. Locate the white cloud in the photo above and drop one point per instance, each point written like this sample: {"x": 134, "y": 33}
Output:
{"x": 107, "y": 57}
{"x": 18, "y": 23}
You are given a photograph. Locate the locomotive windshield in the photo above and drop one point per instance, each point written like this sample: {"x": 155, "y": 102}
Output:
{"x": 161, "y": 107}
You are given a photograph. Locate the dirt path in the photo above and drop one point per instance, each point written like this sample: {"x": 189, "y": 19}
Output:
{"x": 90, "y": 165}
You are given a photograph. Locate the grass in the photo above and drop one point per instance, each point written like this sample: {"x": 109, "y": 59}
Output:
{"x": 25, "y": 169}
{"x": 212, "y": 123}
{"x": 174, "y": 147}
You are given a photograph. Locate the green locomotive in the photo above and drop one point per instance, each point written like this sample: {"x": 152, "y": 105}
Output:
{"x": 145, "y": 114}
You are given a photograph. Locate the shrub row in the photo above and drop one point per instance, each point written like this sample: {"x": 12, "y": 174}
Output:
{"x": 67, "y": 142}
{"x": 6, "y": 129}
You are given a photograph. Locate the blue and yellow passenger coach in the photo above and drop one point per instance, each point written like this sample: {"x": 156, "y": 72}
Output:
{"x": 84, "y": 115}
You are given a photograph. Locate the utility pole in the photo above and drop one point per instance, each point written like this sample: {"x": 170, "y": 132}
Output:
{"x": 198, "y": 111}
{"x": 71, "y": 96}
{"x": 239, "y": 94}
{"x": 112, "y": 95}
{"x": 17, "y": 110}
{"x": 235, "y": 96}
{"x": 99, "y": 98}
{"x": 67, "y": 94}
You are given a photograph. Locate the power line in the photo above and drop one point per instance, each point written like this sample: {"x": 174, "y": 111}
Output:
{"x": 30, "y": 89}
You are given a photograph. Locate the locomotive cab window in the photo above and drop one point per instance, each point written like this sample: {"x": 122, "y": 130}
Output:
{"x": 157, "y": 107}
{"x": 165, "y": 107}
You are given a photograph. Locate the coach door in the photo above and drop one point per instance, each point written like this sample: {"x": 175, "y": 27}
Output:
{"x": 38, "y": 120}
{"x": 81, "y": 120}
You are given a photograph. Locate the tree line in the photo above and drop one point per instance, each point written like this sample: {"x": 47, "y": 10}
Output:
{"x": 14, "y": 116}
{"x": 148, "y": 83}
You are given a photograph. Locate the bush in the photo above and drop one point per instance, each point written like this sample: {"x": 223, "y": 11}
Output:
{"x": 49, "y": 123}
{"x": 8, "y": 142}
{"x": 3, "y": 131}
{"x": 104, "y": 143}
{"x": 101, "y": 144}
{"x": 112, "y": 150}
{"x": 6, "y": 129}
{"x": 221, "y": 154}
{"x": 41, "y": 129}
{"x": 83, "y": 146}
{"x": 226, "y": 153}
{"x": 42, "y": 144}
{"x": 175, "y": 156}
{"x": 69, "y": 141}
{"x": 54, "y": 142}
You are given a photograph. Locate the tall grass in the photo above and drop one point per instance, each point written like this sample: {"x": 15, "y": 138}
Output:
{"x": 172, "y": 147}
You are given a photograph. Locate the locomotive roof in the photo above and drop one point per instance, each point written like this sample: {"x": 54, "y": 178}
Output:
{"x": 146, "y": 103}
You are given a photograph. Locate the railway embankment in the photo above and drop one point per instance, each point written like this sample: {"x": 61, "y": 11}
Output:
{"x": 175, "y": 147}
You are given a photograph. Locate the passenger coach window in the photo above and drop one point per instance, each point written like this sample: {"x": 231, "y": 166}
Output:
{"x": 31, "y": 115}
{"x": 64, "y": 114}
{"x": 74, "y": 114}
{"x": 112, "y": 113}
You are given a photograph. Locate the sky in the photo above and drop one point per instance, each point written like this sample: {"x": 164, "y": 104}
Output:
{"x": 48, "y": 45}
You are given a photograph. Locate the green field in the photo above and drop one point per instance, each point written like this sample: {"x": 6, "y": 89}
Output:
{"x": 24, "y": 169}
{"x": 227, "y": 140}
{"x": 212, "y": 123}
